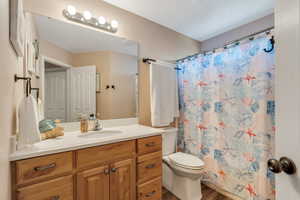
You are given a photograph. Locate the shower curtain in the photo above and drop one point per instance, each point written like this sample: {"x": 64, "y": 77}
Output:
{"x": 227, "y": 117}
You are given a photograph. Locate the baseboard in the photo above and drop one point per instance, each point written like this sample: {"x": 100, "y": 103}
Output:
{"x": 221, "y": 191}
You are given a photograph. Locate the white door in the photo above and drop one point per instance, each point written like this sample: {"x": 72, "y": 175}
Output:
{"x": 82, "y": 91}
{"x": 287, "y": 95}
{"x": 55, "y": 95}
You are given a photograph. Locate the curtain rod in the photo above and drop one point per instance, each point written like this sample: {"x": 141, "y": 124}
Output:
{"x": 149, "y": 60}
{"x": 237, "y": 41}
{"x": 250, "y": 37}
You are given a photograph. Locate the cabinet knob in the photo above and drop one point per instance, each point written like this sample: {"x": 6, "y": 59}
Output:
{"x": 106, "y": 171}
{"x": 55, "y": 198}
{"x": 150, "y": 166}
{"x": 113, "y": 170}
{"x": 150, "y": 144}
{"x": 284, "y": 164}
{"x": 150, "y": 194}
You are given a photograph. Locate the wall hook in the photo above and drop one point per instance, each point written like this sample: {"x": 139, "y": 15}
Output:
{"x": 272, "y": 41}
{"x": 16, "y": 78}
{"x": 28, "y": 83}
{"x": 148, "y": 60}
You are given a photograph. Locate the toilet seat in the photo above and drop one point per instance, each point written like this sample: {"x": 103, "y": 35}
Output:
{"x": 186, "y": 161}
{"x": 182, "y": 171}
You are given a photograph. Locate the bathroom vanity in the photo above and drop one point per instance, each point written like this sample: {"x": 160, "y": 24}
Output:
{"x": 120, "y": 163}
{"x": 98, "y": 77}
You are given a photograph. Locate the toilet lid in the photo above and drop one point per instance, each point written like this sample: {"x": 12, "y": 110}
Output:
{"x": 186, "y": 160}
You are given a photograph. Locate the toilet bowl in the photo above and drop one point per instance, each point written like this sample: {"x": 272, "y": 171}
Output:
{"x": 182, "y": 180}
{"x": 185, "y": 165}
{"x": 181, "y": 171}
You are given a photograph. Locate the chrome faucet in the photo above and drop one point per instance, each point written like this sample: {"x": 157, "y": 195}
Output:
{"x": 98, "y": 125}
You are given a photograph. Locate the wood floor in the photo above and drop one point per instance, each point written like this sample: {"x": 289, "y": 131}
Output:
{"x": 208, "y": 194}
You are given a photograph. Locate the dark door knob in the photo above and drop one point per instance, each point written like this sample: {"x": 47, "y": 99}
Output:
{"x": 284, "y": 164}
{"x": 113, "y": 170}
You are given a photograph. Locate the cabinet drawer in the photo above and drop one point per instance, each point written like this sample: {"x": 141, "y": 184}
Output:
{"x": 35, "y": 169}
{"x": 149, "y": 166}
{"x": 105, "y": 153}
{"x": 57, "y": 189}
{"x": 151, "y": 190}
{"x": 149, "y": 144}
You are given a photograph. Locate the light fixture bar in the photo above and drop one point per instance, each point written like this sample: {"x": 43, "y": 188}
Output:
{"x": 91, "y": 21}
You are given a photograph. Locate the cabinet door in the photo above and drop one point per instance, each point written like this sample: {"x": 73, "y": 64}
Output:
{"x": 122, "y": 180}
{"x": 93, "y": 184}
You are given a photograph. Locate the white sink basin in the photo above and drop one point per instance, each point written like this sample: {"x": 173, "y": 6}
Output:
{"x": 100, "y": 134}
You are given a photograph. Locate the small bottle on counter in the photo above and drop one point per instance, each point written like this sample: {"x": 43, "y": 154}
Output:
{"x": 98, "y": 123}
{"x": 92, "y": 122}
{"x": 84, "y": 124}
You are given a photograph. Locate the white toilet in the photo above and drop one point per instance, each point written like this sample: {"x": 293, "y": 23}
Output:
{"x": 181, "y": 171}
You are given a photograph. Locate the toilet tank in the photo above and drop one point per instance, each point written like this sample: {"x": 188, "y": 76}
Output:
{"x": 169, "y": 140}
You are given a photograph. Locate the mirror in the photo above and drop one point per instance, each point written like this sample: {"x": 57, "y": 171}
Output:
{"x": 84, "y": 71}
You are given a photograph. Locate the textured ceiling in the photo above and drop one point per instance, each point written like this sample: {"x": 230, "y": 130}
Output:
{"x": 198, "y": 19}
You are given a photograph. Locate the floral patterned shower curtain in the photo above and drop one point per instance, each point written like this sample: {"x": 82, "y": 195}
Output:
{"x": 227, "y": 117}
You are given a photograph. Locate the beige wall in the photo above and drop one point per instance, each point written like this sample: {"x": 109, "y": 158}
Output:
{"x": 52, "y": 51}
{"x": 247, "y": 29}
{"x": 115, "y": 69}
{"x": 10, "y": 94}
{"x": 31, "y": 36}
{"x": 155, "y": 40}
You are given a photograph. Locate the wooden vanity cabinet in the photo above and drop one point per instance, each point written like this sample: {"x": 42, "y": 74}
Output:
{"x": 129, "y": 170}
{"x": 122, "y": 180}
{"x": 93, "y": 184}
{"x": 149, "y": 168}
{"x": 114, "y": 182}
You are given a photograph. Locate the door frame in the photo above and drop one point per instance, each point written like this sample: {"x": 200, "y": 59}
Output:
{"x": 61, "y": 64}
{"x": 287, "y": 95}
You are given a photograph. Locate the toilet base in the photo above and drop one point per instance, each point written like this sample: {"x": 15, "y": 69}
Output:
{"x": 182, "y": 187}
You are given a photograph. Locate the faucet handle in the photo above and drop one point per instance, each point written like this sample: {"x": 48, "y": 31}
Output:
{"x": 98, "y": 125}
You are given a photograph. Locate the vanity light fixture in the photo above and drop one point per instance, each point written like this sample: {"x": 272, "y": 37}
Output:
{"x": 102, "y": 20}
{"x": 87, "y": 18}
{"x": 114, "y": 24}
{"x": 87, "y": 15}
{"x": 71, "y": 10}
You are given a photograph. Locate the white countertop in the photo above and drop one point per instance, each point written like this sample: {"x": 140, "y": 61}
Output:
{"x": 75, "y": 140}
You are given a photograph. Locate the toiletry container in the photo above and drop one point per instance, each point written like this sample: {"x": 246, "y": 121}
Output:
{"x": 83, "y": 124}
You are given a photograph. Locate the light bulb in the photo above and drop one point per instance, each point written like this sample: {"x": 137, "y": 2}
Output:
{"x": 102, "y": 20}
{"x": 87, "y": 15}
{"x": 71, "y": 10}
{"x": 114, "y": 24}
